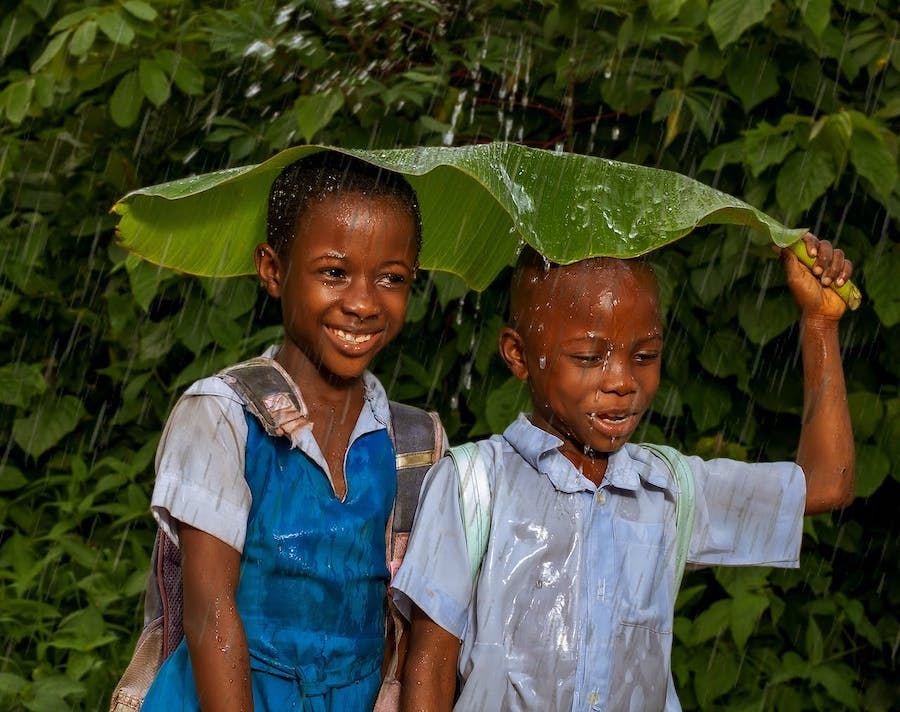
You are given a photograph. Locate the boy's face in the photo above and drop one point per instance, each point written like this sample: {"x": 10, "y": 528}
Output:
{"x": 589, "y": 343}
{"x": 344, "y": 283}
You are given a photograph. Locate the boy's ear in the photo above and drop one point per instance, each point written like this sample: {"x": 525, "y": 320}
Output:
{"x": 268, "y": 267}
{"x": 512, "y": 349}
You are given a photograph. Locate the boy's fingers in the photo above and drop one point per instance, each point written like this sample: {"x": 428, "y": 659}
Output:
{"x": 824, "y": 255}
{"x": 812, "y": 244}
{"x": 835, "y": 268}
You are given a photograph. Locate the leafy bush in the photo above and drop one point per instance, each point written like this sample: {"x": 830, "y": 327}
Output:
{"x": 789, "y": 104}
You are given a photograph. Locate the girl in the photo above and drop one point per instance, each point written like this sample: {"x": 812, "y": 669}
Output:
{"x": 283, "y": 538}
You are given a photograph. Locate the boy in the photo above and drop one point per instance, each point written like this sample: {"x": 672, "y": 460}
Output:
{"x": 572, "y": 608}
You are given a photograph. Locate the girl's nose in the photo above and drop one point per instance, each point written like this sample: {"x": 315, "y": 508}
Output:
{"x": 360, "y": 299}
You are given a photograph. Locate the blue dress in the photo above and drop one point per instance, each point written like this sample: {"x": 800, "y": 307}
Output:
{"x": 312, "y": 585}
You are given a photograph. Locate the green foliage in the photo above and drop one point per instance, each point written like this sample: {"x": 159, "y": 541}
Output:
{"x": 790, "y": 105}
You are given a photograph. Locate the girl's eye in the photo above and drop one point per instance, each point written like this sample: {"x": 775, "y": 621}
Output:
{"x": 647, "y": 357}
{"x": 589, "y": 359}
{"x": 392, "y": 278}
{"x": 334, "y": 273}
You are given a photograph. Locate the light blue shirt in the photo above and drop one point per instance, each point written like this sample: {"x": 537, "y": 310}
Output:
{"x": 572, "y": 608}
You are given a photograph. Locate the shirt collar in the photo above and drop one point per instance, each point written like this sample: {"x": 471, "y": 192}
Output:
{"x": 626, "y": 469}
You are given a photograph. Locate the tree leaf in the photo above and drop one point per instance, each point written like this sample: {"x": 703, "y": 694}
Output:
{"x": 18, "y": 100}
{"x": 729, "y": 18}
{"x": 708, "y": 401}
{"x": 126, "y": 100}
{"x": 183, "y": 71}
{"x": 83, "y": 38}
{"x": 478, "y": 205}
{"x": 154, "y": 82}
{"x": 665, "y": 10}
{"x": 115, "y": 27}
{"x": 880, "y": 274}
{"x": 872, "y": 468}
{"x": 866, "y": 413}
{"x": 723, "y": 355}
{"x": 766, "y": 146}
{"x": 505, "y": 403}
{"x": 745, "y": 613}
{"x": 874, "y": 162}
{"x": 816, "y": 15}
{"x": 19, "y": 382}
{"x": 803, "y": 179}
{"x": 316, "y": 110}
{"x": 140, "y": 10}
{"x": 15, "y": 27}
{"x": 53, "y": 48}
{"x": 752, "y": 77}
{"x": 53, "y": 419}
{"x": 763, "y": 320}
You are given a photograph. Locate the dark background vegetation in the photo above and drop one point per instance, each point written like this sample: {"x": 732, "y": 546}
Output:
{"x": 792, "y": 105}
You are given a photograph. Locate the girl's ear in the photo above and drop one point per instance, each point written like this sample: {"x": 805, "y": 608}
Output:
{"x": 512, "y": 349}
{"x": 268, "y": 267}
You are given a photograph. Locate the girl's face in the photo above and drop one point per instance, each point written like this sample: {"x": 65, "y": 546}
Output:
{"x": 343, "y": 283}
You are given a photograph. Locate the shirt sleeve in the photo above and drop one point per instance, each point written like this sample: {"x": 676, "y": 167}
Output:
{"x": 200, "y": 465}
{"x": 747, "y": 514}
{"x": 435, "y": 571}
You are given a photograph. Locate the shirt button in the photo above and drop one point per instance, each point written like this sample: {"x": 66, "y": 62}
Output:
{"x": 601, "y": 498}
{"x": 594, "y": 699}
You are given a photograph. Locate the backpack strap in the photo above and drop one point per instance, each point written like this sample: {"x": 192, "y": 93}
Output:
{"x": 684, "y": 503}
{"x": 418, "y": 442}
{"x": 269, "y": 393}
{"x": 474, "y": 501}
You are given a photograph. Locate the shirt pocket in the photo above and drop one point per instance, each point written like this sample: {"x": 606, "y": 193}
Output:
{"x": 639, "y": 677}
{"x": 644, "y": 588}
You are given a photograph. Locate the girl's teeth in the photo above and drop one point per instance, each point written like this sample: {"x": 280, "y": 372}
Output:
{"x": 358, "y": 339}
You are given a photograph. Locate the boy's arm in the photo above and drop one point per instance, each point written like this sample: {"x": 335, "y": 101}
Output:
{"x": 213, "y": 628}
{"x": 429, "y": 675}
{"x": 826, "y": 451}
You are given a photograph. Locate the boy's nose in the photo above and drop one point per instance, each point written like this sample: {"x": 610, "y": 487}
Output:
{"x": 360, "y": 299}
{"x": 616, "y": 377}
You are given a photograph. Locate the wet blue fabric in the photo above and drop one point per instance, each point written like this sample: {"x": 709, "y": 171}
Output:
{"x": 313, "y": 577}
{"x": 572, "y": 608}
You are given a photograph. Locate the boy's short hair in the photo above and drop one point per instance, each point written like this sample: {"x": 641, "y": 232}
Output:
{"x": 532, "y": 267}
{"x": 314, "y": 177}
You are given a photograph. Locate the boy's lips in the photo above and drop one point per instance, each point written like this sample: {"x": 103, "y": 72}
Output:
{"x": 613, "y": 424}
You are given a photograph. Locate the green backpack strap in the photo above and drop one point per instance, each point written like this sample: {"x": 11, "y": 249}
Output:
{"x": 474, "y": 501}
{"x": 684, "y": 503}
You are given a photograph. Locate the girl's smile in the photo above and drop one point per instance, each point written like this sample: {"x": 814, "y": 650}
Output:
{"x": 343, "y": 281}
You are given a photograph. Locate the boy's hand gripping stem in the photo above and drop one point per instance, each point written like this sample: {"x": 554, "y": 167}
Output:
{"x": 848, "y": 291}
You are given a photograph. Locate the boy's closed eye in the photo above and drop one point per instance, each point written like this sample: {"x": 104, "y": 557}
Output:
{"x": 393, "y": 278}
{"x": 647, "y": 357}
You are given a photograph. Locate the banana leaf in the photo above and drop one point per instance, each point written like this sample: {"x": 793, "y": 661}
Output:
{"x": 479, "y": 204}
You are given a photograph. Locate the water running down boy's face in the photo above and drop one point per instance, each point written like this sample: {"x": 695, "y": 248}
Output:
{"x": 343, "y": 280}
{"x": 587, "y": 337}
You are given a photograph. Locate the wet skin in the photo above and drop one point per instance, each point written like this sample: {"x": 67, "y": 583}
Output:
{"x": 343, "y": 283}
{"x": 589, "y": 343}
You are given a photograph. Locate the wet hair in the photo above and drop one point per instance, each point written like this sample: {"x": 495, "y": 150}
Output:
{"x": 532, "y": 268}
{"x": 313, "y": 178}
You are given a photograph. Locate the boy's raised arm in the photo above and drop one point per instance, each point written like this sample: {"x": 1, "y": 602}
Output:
{"x": 429, "y": 675}
{"x": 826, "y": 451}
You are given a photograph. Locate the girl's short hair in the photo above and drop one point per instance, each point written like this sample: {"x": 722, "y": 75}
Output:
{"x": 310, "y": 179}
